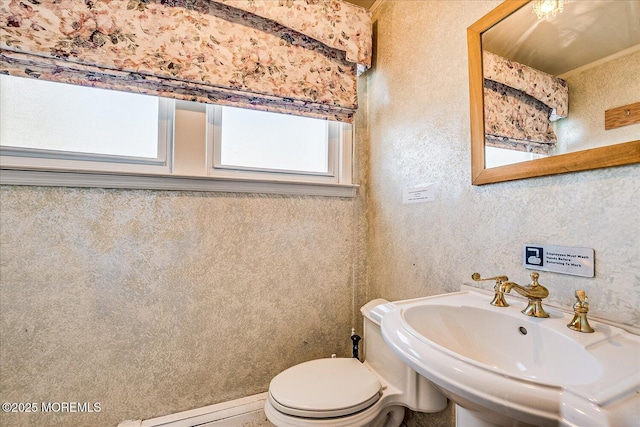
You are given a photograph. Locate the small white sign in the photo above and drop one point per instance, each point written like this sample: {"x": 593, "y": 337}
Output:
{"x": 425, "y": 193}
{"x": 559, "y": 259}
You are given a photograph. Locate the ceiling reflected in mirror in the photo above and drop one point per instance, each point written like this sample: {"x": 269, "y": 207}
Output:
{"x": 362, "y": 3}
{"x": 584, "y": 32}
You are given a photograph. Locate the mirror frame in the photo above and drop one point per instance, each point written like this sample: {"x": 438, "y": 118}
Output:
{"x": 624, "y": 153}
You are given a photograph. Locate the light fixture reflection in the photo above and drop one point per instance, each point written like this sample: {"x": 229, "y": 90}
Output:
{"x": 548, "y": 8}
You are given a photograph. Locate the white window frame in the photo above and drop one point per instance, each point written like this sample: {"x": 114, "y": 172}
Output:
{"x": 57, "y": 160}
{"x": 340, "y": 148}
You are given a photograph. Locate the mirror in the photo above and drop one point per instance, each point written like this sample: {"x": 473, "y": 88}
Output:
{"x": 577, "y": 139}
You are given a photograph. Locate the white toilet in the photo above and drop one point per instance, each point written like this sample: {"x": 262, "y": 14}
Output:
{"x": 342, "y": 392}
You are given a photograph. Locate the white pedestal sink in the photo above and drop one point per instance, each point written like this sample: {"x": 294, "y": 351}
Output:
{"x": 503, "y": 368}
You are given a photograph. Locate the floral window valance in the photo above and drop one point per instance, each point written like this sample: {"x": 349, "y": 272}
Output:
{"x": 520, "y": 103}
{"x": 293, "y": 56}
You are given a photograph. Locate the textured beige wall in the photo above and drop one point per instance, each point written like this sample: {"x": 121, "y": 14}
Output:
{"x": 592, "y": 92}
{"x": 156, "y": 302}
{"x": 419, "y": 133}
{"x": 418, "y": 119}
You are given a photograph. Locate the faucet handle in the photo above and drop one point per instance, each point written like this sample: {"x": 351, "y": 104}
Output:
{"x": 540, "y": 291}
{"x": 498, "y": 297}
{"x": 498, "y": 279}
{"x": 582, "y": 302}
{"x": 534, "y": 278}
{"x": 580, "y": 308}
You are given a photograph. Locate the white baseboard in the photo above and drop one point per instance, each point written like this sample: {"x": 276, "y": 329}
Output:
{"x": 248, "y": 411}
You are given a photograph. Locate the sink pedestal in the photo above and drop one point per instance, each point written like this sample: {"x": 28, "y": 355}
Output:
{"x": 467, "y": 418}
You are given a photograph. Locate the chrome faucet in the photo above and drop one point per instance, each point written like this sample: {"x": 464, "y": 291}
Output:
{"x": 534, "y": 292}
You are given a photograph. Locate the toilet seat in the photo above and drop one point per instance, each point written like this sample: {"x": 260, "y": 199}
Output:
{"x": 325, "y": 388}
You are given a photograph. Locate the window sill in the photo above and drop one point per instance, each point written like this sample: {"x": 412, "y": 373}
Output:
{"x": 172, "y": 183}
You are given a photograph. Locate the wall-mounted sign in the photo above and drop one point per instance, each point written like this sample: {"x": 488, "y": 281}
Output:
{"x": 425, "y": 193}
{"x": 559, "y": 259}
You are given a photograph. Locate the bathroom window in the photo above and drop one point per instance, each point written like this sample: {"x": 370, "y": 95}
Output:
{"x": 264, "y": 145}
{"x": 126, "y": 140}
{"x": 60, "y": 126}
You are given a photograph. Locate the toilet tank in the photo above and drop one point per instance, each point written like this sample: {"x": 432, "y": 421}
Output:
{"x": 419, "y": 394}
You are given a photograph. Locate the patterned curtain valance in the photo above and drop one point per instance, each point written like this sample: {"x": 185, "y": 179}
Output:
{"x": 341, "y": 25}
{"x": 520, "y": 103}
{"x": 546, "y": 88}
{"x": 291, "y": 56}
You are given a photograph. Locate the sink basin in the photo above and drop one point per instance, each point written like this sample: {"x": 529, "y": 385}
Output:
{"x": 504, "y": 368}
{"x": 507, "y": 344}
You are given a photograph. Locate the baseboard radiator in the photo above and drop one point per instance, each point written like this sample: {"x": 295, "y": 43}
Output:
{"x": 245, "y": 412}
